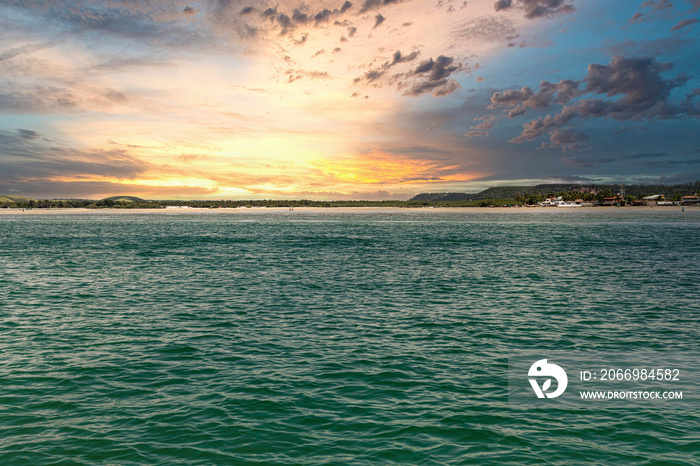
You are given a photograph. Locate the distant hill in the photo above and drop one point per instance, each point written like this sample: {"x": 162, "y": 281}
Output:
{"x": 13, "y": 199}
{"x": 509, "y": 192}
{"x": 443, "y": 197}
{"x": 123, "y": 199}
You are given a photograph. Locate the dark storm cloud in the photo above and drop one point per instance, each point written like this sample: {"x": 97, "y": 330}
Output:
{"x": 683, "y": 23}
{"x": 536, "y": 8}
{"x": 624, "y": 89}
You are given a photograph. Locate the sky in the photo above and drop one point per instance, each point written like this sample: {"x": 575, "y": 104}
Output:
{"x": 356, "y": 99}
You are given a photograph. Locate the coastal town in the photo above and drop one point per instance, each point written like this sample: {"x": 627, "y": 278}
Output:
{"x": 619, "y": 201}
{"x": 545, "y": 195}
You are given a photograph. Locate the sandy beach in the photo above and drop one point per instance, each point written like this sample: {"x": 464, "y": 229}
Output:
{"x": 225, "y": 211}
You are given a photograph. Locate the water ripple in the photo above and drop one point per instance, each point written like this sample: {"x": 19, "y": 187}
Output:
{"x": 332, "y": 338}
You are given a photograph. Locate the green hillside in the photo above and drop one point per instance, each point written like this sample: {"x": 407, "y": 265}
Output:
{"x": 123, "y": 199}
{"x": 432, "y": 197}
{"x": 510, "y": 192}
{"x": 14, "y": 199}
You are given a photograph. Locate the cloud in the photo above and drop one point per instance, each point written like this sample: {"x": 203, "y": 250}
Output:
{"x": 637, "y": 80}
{"x": 374, "y": 4}
{"x": 539, "y": 43}
{"x": 48, "y": 189}
{"x": 658, "y": 6}
{"x": 482, "y": 128}
{"x": 567, "y": 140}
{"x": 378, "y": 195}
{"x": 624, "y": 89}
{"x": 379, "y": 20}
{"x": 17, "y": 51}
{"x": 28, "y": 134}
{"x": 653, "y": 160}
{"x": 488, "y": 29}
{"x": 655, "y": 9}
{"x": 157, "y": 22}
{"x": 536, "y": 8}
{"x": 637, "y": 18}
{"x": 432, "y": 76}
{"x": 683, "y": 23}
{"x": 295, "y": 75}
{"x": 58, "y": 97}
{"x": 486, "y": 122}
{"x": 519, "y": 100}
{"x": 472, "y": 134}
{"x": 28, "y": 155}
{"x": 539, "y": 126}
{"x": 303, "y": 15}
{"x": 375, "y": 74}
{"x": 651, "y": 47}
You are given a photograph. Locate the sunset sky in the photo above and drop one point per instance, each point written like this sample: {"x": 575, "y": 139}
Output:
{"x": 365, "y": 99}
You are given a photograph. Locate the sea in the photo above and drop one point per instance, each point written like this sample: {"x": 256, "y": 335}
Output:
{"x": 337, "y": 338}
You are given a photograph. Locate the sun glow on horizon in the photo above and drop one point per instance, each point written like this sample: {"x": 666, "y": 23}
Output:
{"x": 321, "y": 98}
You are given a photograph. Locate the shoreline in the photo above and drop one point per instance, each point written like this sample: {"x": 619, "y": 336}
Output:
{"x": 223, "y": 211}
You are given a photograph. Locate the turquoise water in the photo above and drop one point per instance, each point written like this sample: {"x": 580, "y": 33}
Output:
{"x": 334, "y": 338}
